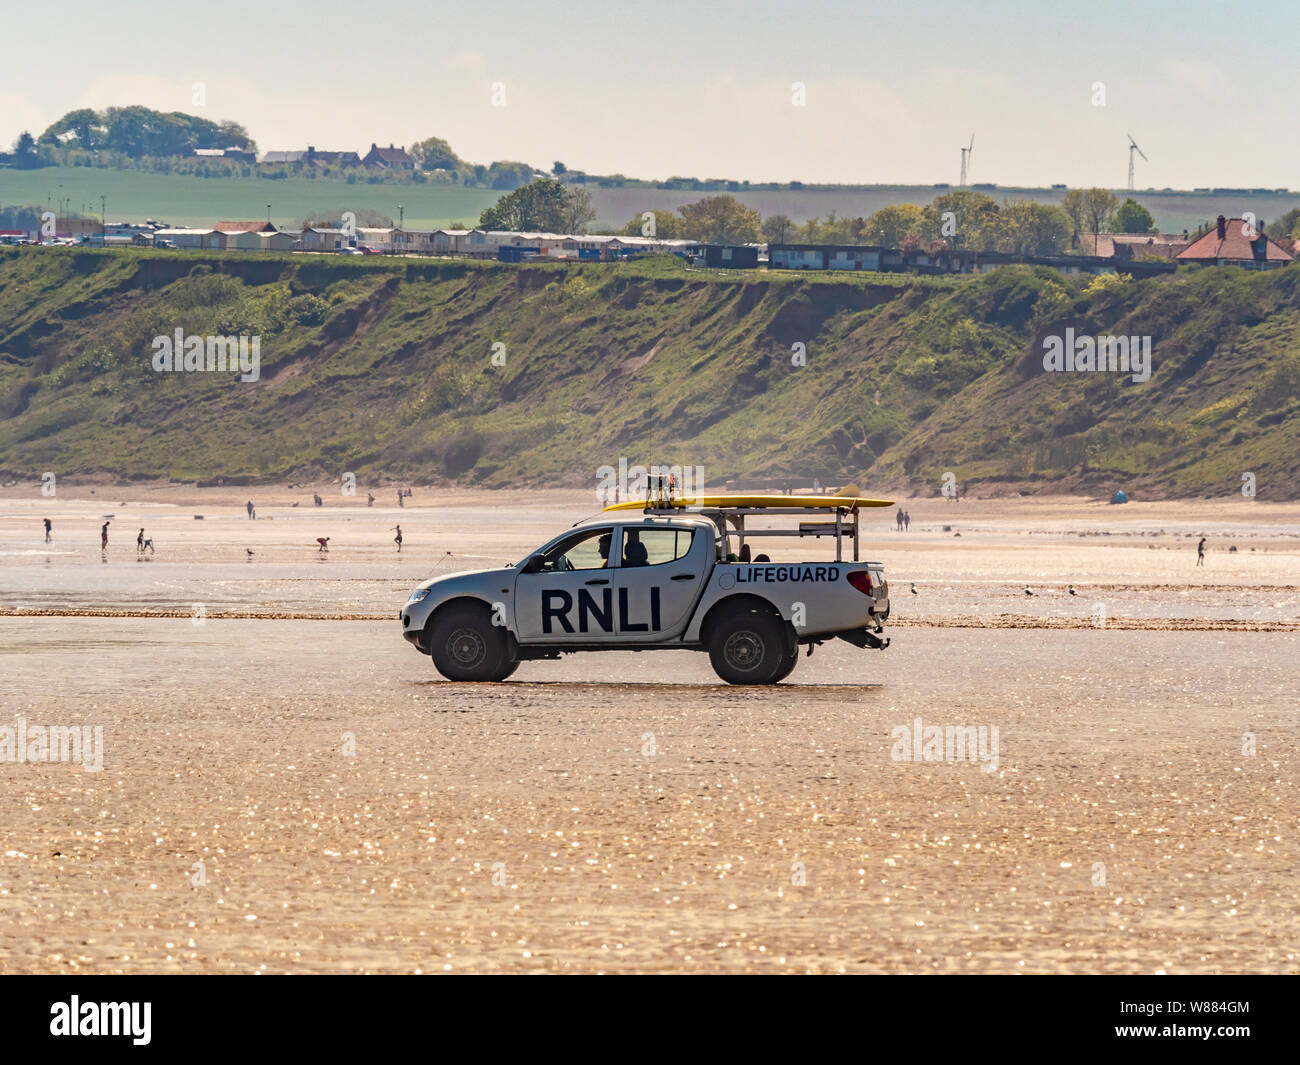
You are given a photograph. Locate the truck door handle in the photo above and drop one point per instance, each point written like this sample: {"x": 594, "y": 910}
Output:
{"x": 601, "y": 581}
{"x": 683, "y": 577}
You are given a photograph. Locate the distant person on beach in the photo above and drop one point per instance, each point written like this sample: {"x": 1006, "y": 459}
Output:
{"x": 48, "y": 527}
{"x": 398, "y": 538}
{"x": 899, "y": 519}
{"x": 103, "y": 536}
{"x": 907, "y": 521}
{"x": 370, "y": 499}
{"x": 399, "y": 498}
{"x": 1200, "y": 552}
{"x": 317, "y": 499}
{"x": 139, "y": 541}
{"x": 252, "y": 513}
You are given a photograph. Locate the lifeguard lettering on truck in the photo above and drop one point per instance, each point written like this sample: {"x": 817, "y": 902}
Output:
{"x": 650, "y": 581}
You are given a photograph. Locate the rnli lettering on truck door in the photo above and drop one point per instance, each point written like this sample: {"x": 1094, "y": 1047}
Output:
{"x": 595, "y": 612}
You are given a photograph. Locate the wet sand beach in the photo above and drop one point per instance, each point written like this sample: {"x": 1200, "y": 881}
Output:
{"x": 288, "y": 786}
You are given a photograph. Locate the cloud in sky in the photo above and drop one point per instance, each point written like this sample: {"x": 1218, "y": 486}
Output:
{"x": 674, "y": 87}
{"x": 18, "y": 112}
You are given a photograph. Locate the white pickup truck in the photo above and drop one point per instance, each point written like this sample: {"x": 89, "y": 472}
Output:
{"x": 653, "y": 579}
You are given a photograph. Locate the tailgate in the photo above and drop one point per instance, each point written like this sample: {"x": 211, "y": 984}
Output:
{"x": 880, "y": 587}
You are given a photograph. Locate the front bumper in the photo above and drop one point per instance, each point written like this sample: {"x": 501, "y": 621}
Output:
{"x": 413, "y": 629}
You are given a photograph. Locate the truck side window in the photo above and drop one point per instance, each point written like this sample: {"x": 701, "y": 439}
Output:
{"x": 587, "y": 550}
{"x": 654, "y": 547}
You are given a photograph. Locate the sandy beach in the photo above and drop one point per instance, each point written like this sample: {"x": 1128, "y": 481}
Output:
{"x": 287, "y": 786}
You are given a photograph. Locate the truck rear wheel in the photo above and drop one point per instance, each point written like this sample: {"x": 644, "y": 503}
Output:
{"x": 748, "y": 647}
{"x": 787, "y": 667}
{"x": 465, "y": 645}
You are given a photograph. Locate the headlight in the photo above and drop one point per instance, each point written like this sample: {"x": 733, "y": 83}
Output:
{"x": 418, "y": 594}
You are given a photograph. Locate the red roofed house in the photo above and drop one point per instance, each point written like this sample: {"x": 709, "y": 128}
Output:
{"x": 1234, "y": 243}
{"x": 389, "y": 158}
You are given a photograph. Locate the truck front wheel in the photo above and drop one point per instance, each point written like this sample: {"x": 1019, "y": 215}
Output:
{"x": 465, "y": 645}
{"x": 748, "y": 647}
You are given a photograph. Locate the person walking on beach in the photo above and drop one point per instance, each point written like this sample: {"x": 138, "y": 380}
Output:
{"x": 48, "y": 527}
{"x": 899, "y": 518}
{"x": 400, "y": 498}
{"x": 139, "y": 542}
{"x": 103, "y": 537}
{"x": 398, "y": 538}
{"x": 370, "y": 499}
{"x": 1200, "y": 552}
{"x": 907, "y": 521}
{"x": 252, "y": 512}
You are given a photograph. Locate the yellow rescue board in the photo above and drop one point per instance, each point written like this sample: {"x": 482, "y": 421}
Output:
{"x": 714, "y": 502}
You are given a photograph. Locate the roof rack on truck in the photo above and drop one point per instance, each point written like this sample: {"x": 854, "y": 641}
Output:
{"x": 729, "y": 512}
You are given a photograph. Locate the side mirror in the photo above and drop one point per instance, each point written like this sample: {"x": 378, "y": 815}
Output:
{"x": 533, "y": 564}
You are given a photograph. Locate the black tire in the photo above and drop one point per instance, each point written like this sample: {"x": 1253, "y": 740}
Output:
{"x": 787, "y": 667}
{"x": 750, "y": 647}
{"x": 465, "y": 645}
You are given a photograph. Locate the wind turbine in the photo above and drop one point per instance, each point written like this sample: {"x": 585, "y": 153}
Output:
{"x": 965, "y": 159}
{"x": 1132, "y": 147}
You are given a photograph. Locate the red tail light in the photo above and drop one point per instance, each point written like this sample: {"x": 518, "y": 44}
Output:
{"x": 861, "y": 580}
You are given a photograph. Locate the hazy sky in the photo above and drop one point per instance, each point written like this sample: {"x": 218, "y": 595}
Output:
{"x": 704, "y": 87}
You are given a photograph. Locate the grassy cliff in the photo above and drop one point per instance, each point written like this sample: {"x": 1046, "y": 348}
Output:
{"x": 386, "y": 368}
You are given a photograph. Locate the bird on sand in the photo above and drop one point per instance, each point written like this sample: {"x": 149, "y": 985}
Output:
{"x": 324, "y": 542}
{"x": 1072, "y": 591}
{"x": 914, "y": 591}
{"x": 248, "y": 551}
{"x": 1028, "y": 591}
